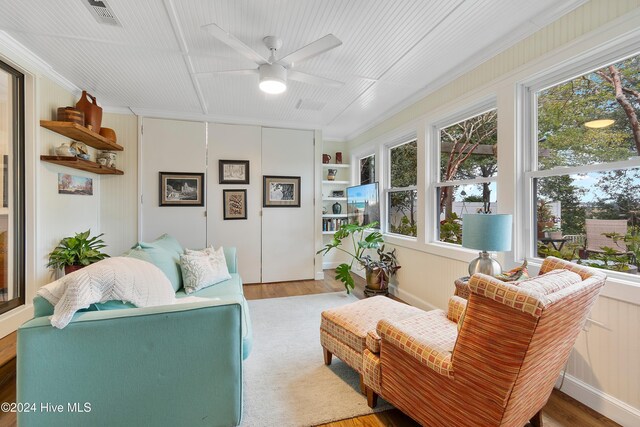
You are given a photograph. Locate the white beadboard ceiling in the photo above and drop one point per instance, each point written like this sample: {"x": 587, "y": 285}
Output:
{"x": 391, "y": 51}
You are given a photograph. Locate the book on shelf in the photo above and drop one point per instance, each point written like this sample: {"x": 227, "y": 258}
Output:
{"x": 332, "y": 224}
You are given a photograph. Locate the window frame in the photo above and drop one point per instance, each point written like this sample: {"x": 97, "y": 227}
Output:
{"x": 530, "y": 168}
{"x": 435, "y": 180}
{"x": 17, "y": 270}
{"x": 386, "y": 189}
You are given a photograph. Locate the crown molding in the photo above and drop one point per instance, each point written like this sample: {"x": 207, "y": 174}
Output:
{"x": 16, "y": 52}
{"x": 222, "y": 119}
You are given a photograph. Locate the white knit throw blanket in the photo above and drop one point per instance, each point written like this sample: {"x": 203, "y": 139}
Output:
{"x": 120, "y": 278}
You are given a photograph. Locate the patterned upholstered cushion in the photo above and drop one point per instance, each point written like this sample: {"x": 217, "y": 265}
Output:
{"x": 351, "y": 323}
{"x": 428, "y": 337}
{"x": 525, "y": 300}
{"x": 553, "y": 263}
{"x": 456, "y": 308}
{"x": 371, "y": 373}
{"x": 551, "y": 282}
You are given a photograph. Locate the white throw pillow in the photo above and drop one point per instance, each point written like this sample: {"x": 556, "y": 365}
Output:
{"x": 201, "y": 269}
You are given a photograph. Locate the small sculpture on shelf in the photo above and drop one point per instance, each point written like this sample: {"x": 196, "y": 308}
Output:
{"x": 331, "y": 174}
{"x": 339, "y": 157}
{"x": 337, "y": 208}
{"x": 63, "y": 150}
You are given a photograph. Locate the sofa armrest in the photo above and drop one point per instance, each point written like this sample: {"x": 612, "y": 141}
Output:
{"x": 231, "y": 256}
{"x": 180, "y": 364}
{"x": 456, "y": 307}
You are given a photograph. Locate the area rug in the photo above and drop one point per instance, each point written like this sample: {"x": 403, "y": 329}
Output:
{"x": 286, "y": 382}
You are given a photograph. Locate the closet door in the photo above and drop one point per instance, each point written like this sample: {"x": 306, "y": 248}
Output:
{"x": 288, "y": 232}
{"x": 171, "y": 146}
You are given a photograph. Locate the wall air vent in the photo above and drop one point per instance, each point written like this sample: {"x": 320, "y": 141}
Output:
{"x": 310, "y": 104}
{"x": 102, "y": 12}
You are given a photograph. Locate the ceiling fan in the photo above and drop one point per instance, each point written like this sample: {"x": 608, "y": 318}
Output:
{"x": 274, "y": 72}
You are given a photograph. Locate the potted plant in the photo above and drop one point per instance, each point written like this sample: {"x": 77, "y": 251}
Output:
{"x": 378, "y": 271}
{"x": 73, "y": 253}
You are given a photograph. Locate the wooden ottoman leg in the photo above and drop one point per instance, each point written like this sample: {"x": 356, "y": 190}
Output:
{"x": 372, "y": 398}
{"x": 363, "y": 388}
{"x": 327, "y": 356}
{"x": 536, "y": 421}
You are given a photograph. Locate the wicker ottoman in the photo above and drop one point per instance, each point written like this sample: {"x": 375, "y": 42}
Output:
{"x": 347, "y": 330}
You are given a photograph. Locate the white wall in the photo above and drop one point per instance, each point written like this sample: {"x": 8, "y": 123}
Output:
{"x": 604, "y": 367}
{"x": 171, "y": 146}
{"x": 236, "y": 142}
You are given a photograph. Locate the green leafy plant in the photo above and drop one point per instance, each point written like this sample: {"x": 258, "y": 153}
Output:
{"x": 608, "y": 259}
{"x": 355, "y": 234}
{"x": 384, "y": 267}
{"x": 451, "y": 229}
{"x": 77, "y": 250}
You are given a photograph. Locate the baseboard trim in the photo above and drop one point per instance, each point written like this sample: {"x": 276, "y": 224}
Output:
{"x": 319, "y": 275}
{"x": 411, "y": 299}
{"x": 599, "y": 401}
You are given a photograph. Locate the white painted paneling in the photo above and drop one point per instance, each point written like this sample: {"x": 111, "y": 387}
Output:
{"x": 390, "y": 50}
{"x": 236, "y": 142}
{"x": 59, "y": 215}
{"x": 119, "y": 193}
{"x": 171, "y": 146}
{"x": 288, "y": 233}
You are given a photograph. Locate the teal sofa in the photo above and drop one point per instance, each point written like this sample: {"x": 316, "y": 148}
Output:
{"x": 117, "y": 365}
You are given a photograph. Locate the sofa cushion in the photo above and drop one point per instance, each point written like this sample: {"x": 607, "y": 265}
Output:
{"x": 201, "y": 270}
{"x": 166, "y": 242}
{"x": 167, "y": 261}
{"x": 231, "y": 287}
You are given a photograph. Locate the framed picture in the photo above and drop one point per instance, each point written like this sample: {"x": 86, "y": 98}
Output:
{"x": 181, "y": 189}
{"x": 233, "y": 171}
{"x": 281, "y": 191}
{"x": 235, "y": 204}
{"x": 78, "y": 185}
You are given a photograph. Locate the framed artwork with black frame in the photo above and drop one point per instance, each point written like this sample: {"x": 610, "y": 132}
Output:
{"x": 235, "y": 204}
{"x": 280, "y": 191}
{"x": 181, "y": 189}
{"x": 233, "y": 171}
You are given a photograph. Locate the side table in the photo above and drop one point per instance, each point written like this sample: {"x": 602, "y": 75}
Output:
{"x": 462, "y": 287}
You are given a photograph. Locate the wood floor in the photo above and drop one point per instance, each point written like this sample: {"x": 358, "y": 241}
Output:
{"x": 560, "y": 411}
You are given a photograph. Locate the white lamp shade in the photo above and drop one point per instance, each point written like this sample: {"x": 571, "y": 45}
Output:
{"x": 487, "y": 232}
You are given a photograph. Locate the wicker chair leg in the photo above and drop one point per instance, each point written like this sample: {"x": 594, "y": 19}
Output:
{"x": 372, "y": 398}
{"x": 536, "y": 420}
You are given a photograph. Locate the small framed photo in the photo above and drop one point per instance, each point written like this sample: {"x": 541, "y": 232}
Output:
{"x": 233, "y": 171}
{"x": 181, "y": 189}
{"x": 281, "y": 191}
{"x": 235, "y": 204}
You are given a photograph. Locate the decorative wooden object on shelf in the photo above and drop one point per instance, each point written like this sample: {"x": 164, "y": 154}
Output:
{"x": 81, "y": 133}
{"x": 78, "y": 163}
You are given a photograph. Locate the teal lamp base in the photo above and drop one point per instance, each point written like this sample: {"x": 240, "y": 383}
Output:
{"x": 485, "y": 264}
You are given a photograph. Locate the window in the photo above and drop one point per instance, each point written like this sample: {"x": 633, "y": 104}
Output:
{"x": 585, "y": 170}
{"x": 468, "y": 170}
{"x": 402, "y": 194}
{"x": 368, "y": 169}
{"x": 12, "y": 188}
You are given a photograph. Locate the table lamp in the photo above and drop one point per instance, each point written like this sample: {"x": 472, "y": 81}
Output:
{"x": 486, "y": 232}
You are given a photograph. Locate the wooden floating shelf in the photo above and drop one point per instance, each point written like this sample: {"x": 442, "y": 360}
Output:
{"x": 80, "y": 133}
{"x": 81, "y": 164}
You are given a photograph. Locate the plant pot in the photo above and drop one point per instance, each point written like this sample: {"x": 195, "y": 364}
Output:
{"x": 68, "y": 269}
{"x": 557, "y": 235}
{"x": 376, "y": 279}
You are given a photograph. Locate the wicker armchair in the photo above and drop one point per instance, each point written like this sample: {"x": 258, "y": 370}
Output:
{"x": 500, "y": 368}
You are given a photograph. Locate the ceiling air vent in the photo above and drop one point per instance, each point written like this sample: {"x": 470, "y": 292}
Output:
{"x": 310, "y": 104}
{"x": 102, "y": 12}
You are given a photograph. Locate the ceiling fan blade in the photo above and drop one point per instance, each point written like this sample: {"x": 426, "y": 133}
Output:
{"x": 317, "y": 47}
{"x": 234, "y": 43}
{"x": 229, "y": 72}
{"x": 311, "y": 79}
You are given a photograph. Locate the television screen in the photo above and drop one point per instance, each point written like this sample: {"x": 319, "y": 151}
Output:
{"x": 363, "y": 206}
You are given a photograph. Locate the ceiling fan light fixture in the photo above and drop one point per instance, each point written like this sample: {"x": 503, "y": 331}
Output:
{"x": 599, "y": 124}
{"x": 273, "y": 78}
